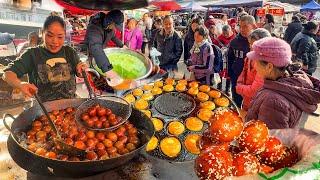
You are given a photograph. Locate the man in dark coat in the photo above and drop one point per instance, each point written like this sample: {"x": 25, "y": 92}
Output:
{"x": 169, "y": 43}
{"x": 238, "y": 49}
{"x": 100, "y": 31}
{"x": 293, "y": 29}
{"x": 305, "y": 47}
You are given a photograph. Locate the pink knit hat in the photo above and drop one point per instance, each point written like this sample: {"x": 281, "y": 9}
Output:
{"x": 272, "y": 50}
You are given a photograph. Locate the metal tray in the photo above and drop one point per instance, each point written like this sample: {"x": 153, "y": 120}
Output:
{"x": 157, "y": 106}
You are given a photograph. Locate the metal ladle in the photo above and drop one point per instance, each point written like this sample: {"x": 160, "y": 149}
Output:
{"x": 65, "y": 148}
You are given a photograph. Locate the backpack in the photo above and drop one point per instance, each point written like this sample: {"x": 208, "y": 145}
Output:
{"x": 218, "y": 58}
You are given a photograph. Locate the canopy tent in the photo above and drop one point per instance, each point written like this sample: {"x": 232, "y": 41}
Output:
{"x": 102, "y": 5}
{"x": 73, "y": 10}
{"x": 236, "y": 3}
{"x": 166, "y": 5}
{"x": 194, "y": 6}
{"x": 311, "y": 6}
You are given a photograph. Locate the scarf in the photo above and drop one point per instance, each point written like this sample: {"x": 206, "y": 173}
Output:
{"x": 196, "y": 46}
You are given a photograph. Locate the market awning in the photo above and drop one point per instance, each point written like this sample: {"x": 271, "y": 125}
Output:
{"x": 238, "y": 3}
{"x": 166, "y": 5}
{"x": 73, "y": 10}
{"x": 311, "y": 6}
{"x": 194, "y": 6}
{"x": 104, "y": 5}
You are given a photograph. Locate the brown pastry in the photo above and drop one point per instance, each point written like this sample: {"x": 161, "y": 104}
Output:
{"x": 222, "y": 102}
{"x": 214, "y": 94}
{"x": 204, "y": 88}
{"x": 181, "y": 87}
{"x": 202, "y": 96}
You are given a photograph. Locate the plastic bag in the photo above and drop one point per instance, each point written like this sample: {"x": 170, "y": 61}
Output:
{"x": 154, "y": 54}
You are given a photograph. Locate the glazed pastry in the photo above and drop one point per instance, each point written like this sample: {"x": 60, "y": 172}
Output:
{"x": 170, "y": 146}
{"x": 152, "y": 144}
{"x": 147, "y": 113}
{"x": 222, "y": 102}
{"x": 202, "y": 96}
{"x": 214, "y": 94}
{"x": 147, "y": 87}
{"x": 141, "y": 104}
{"x": 156, "y": 91}
{"x": 204, "y": 114}
{"x": 194, "y": 124}
{"x": 245, "y": 164}
{"x": 181, "y": 87}
{"x": 225, "y": 126}
{"x": 168, "y": 88}
{"x": 137, "y": 92}
{"x": 194, "y": 84}
{"x": 191, "y": 143}
{"x": 204, "y": 88}
{"x": 193, "y": 91}
{"x": 213, "y": 164}
{"x": 158, "y": 84}
{"x": 147, "y": 96}
{"x": 208, "y": 105}
{"x": 157, "y": 123}
{"x": 176, "y": 128}
{"x": 130, "y": 98}
{"x": 254, "y": 136}
{"x": 170, "y": 81}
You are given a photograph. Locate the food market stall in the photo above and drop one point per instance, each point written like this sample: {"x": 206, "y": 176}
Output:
{"x": 172, "y": 125}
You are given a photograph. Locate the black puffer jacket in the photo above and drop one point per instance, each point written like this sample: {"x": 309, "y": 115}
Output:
{"x": 187, "y": 44}
{"x": 305, "y": 48}
{"x": 170, "y": 48}
{"x": 293, "y": 29}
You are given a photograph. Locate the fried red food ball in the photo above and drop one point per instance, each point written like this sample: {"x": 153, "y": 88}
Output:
{"x": 226, "y": 126}
{"x": 91, "y": 155}
{"x": 274, "y": 151}
{"x": 213, "y": 163}
{"x": 207, "y": 142}
{"x": 289, "y": 158}
{"x": 254, "y": 136}
{"x": 245, "y": 163}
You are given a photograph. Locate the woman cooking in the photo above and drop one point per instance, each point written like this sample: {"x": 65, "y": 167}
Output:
{"x": 51, "y": 67}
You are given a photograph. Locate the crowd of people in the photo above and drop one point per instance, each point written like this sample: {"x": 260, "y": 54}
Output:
{"x": 262, "y": 71}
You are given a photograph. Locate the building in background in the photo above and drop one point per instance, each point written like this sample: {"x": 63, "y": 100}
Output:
{"x": 20, "y": 17}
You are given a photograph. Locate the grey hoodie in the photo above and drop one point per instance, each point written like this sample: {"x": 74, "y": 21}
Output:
{"x": 280, "y": 103}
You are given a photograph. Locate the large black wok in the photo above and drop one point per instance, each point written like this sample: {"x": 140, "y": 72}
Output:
{"x": 49, "y": 167}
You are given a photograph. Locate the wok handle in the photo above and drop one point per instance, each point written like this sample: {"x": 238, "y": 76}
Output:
{"x": 5, "y": 122}
{"x": 86, "y": 82}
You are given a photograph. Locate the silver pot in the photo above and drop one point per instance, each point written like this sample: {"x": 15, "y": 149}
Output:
{"x": 146, "y": 61}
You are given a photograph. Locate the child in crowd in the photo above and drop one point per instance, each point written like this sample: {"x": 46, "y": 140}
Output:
{"x": 249, "y": 82}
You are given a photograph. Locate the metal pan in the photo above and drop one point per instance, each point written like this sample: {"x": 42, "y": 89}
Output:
{"x": 49, "y": 167}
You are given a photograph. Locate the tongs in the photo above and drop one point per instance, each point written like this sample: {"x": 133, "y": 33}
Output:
{"x": 63, "y": 147}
